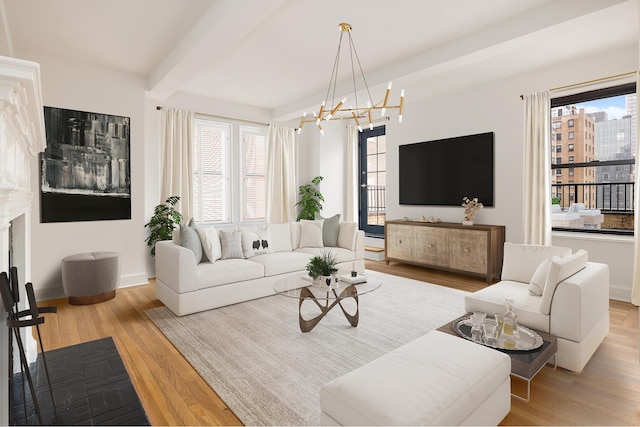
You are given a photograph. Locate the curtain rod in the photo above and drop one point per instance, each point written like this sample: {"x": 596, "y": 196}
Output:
{"x": 224, "y": 117}
{"x": 602, "y": 79}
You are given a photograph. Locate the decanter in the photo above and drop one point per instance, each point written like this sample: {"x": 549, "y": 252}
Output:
{"x": 509, "y": 331}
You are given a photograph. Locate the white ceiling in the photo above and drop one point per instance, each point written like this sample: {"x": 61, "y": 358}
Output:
{"x": 278, "y": 54}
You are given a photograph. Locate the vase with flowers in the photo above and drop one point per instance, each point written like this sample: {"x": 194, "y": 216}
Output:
{"x": 470, "y": 207}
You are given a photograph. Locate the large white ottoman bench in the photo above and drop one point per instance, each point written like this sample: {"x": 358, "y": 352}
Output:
{"x": 437, "y": 379}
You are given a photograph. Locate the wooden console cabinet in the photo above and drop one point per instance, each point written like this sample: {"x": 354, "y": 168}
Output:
{"x": 470, "y": 249}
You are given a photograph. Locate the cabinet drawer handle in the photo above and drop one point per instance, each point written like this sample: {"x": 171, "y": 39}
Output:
{"x": 466, "y": 250}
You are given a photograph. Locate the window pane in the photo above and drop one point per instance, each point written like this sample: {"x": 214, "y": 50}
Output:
{"x": 253, "y": 180}
{"x": 211, "y": 172}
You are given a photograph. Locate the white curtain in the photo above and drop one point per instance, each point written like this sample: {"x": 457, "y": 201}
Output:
{"x": 537, "y": 166}
{"x": 635, "y": 287}
{"x": 281, "y": 175}
{"x": 351, "y": 176}
{"x": 177, "y": 163}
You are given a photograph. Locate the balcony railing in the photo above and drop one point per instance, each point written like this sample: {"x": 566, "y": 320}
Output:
{"x": 608, "y": 197}
{"x": 376, "y": 204}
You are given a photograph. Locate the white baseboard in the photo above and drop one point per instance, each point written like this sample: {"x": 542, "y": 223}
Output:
{"x": 619, "y": 293}
{"x": 374, "y": 256}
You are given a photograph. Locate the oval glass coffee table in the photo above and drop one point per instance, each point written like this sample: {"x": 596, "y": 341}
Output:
{"x": 327, "y": 298}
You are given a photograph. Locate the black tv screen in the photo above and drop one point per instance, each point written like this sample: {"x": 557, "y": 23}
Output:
{"x": 444, "y": 171}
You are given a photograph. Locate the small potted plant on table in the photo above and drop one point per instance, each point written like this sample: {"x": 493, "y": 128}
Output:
{"x": 322, "y": 269}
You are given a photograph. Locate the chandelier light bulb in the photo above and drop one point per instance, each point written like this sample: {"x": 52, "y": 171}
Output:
{"x": 359, "y": 128}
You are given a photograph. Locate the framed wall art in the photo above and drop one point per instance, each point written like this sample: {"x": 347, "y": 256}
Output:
{"x": 85, "y": 171}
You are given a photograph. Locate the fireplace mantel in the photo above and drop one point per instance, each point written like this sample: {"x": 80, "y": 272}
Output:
{"x": 22, "y": 137}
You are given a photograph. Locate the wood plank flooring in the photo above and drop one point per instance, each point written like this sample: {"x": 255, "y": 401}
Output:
{"x": 607, "y": 392}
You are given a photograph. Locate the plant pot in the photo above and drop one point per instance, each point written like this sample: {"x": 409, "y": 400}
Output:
{"x": 467, "y": 222}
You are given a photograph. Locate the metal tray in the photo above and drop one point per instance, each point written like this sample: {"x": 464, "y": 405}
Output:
{"x": 526, "y": 341}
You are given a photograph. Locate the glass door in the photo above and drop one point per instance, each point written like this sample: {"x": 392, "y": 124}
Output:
{"x": 373, "y": 180}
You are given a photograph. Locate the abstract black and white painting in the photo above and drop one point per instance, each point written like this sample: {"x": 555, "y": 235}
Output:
{"x": 85, "y": 171}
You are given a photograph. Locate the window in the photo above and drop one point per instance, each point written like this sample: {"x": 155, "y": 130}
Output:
{"x": 254, "y": 145}
{"x": 557, "y": 125}
{"x": 558, "y": 137}
{"x": 373, "y": 180}
{"x": 228, "y": 172}
{"x": 558, "y": 160}
{"x": 602, "y": 165}
{"x": 211, "y": 167}
{"x": 558, "y": 148}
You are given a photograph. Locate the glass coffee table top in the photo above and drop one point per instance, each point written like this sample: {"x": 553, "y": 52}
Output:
{"x": 291, "y": 286}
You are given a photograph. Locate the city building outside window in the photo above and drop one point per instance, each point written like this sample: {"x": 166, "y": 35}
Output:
{"x": 570, "y": 123}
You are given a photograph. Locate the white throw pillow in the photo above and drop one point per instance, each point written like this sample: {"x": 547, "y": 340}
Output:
{"x": 280, "y": 237}
{"x": 536, "y": 286}
{"x": 521, "y": 261}
{"x": 256, "y": 243}
{"x": 347, "y": 235}
{"x": 561, "y": 269}
{"x": 311, "y": 234}
{"x": 210, "y": 243}
{"x": 231, "y": 243}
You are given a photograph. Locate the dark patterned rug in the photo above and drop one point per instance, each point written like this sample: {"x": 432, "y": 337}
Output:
{"x": 90, "y": 387}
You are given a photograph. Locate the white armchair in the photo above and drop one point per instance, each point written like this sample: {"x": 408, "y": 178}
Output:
{"x": 556, "y": 292}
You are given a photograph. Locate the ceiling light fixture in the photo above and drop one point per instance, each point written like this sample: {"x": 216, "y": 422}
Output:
{"x": 361, "y": 115}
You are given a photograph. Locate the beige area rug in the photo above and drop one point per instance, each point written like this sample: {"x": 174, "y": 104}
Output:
{"x": 269, "y": 373}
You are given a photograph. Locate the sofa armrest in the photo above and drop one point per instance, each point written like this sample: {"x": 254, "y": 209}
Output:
{"x": 580, "y": 302}
{"x": 359, "y": 244}
{"x": 176, "y": 266}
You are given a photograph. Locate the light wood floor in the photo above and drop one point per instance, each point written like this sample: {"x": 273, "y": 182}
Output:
{"x": 607, "y": 392}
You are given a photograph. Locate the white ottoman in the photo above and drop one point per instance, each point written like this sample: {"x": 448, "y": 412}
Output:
{"x": 437, "y": 379}
{"x": 89, "y": 278}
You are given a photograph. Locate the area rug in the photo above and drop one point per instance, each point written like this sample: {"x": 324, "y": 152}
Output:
{"x": 255, "y": 358}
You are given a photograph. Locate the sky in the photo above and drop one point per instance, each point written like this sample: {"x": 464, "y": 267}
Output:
{"x": 614, "y": 106}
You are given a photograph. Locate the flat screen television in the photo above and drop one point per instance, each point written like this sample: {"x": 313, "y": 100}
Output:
{"x": 444, "y": 171}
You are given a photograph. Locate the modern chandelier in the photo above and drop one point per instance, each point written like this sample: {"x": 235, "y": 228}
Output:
{"x": 360, "y": 114}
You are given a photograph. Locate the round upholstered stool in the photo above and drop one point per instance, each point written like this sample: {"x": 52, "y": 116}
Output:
{"x": 90, "y": 278}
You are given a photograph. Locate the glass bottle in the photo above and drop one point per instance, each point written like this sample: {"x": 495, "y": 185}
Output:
{"x": 509, "y": 331}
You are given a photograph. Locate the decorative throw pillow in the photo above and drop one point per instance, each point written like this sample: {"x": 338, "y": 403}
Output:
{"x": 190, "y": 239}
{"x": 536, "y": 286}
{"x": 256, "y": 243}
{"x": 210, "y": 243}
{"x": 560, "y": 270}
{"x": 310, "y": 234}
{"x": 231, "y": 243}
{"x": 347, "y": 235}
{"x": 280, "y": 237}
{"x": 330, "y": 228}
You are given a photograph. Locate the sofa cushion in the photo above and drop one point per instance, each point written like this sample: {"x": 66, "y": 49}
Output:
{"x": 347, "y": 235}
{"x": 190, "y": 239}
{"x": 330, "y": 229}
{"x": 341, "y": 254}
{"x": 525, "y": 306}
{"x": 231, "y": 244}
{"x": 536, "y": 286}
{"x": 559, "y": 270}
{"x": 521, "y": 261}
{"x": 210, "y": 243}
{"x": 227, "y": 271}
{"x": 282, "y": 262}
{"x": 280, "y": 237}
{"x": 256, "y": 243}
{"x": 311, "y": 234}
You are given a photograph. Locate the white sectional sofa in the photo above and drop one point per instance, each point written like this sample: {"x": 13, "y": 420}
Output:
{"x": 554, "y": 291}
{"x": 189, "y": 279}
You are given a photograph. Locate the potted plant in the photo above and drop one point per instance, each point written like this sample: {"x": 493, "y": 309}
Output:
{"x": 322, "y": 268}
{"x": 310, "y": 198}
{"x": 164, "y": 220}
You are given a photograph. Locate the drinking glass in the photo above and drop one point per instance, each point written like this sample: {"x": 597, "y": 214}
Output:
{"x": 477, "y": 318}
{"x": 490, "y": 330}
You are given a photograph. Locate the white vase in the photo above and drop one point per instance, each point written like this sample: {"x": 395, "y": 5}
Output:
{"x": 467, "y": 222}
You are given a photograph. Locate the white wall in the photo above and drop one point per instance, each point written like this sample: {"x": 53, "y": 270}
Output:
{"x": 80, "y": 87}
{"x": 497, "y": 107}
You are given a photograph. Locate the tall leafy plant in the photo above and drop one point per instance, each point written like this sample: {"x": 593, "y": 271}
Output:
{"x": 310, "y": 198}
{"x": 164, "y": 220}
